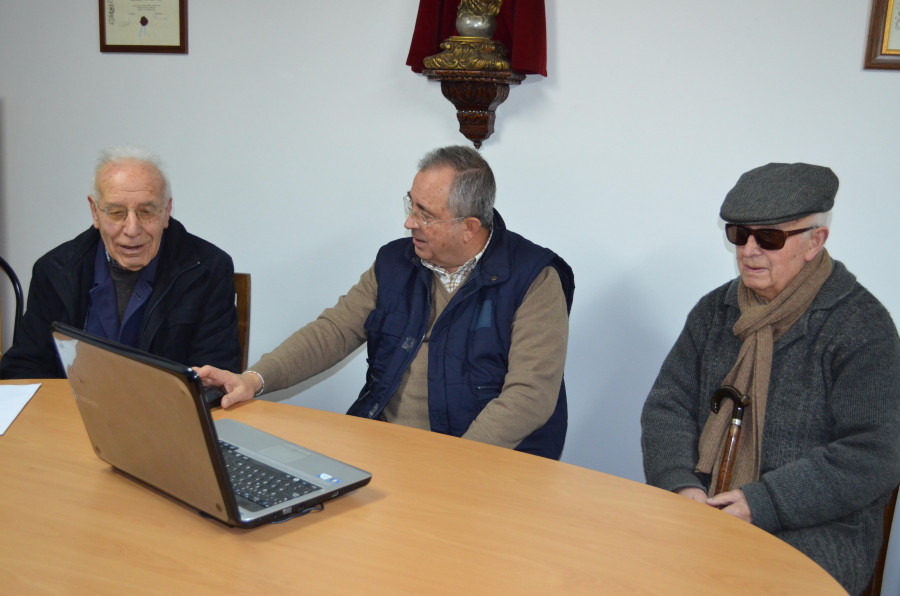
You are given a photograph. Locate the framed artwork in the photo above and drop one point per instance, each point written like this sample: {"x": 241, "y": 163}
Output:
{"x": 143, "y": 26}
{"x": 883, "y": 46}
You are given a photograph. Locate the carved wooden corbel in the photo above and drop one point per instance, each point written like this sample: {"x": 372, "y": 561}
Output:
{"x": 473, "y": 69}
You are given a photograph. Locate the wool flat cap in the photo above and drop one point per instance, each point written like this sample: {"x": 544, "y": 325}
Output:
{"x": 779, "y": 192}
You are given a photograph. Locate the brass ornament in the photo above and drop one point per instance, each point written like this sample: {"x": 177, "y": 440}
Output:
{"x": 469, "y": 53}
{"x": 473, "y": 48}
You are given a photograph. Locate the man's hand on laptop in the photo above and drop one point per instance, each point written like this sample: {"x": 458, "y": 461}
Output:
{"x": 237, "y": 388}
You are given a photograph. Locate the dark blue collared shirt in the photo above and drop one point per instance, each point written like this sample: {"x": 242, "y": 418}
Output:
{"x": 103, "y": 312}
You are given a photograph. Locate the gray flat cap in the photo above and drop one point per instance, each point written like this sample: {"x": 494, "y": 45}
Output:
{"x": 779, "y": 192}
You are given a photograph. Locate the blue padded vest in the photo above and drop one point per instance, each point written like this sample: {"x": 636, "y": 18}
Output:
{"x": 469, "y": 344}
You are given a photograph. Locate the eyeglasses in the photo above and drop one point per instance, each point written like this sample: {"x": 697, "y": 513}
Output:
{"x": 766, "y": 238}
{"x": 146, "y": 214}
{"x": 422, "y": 220}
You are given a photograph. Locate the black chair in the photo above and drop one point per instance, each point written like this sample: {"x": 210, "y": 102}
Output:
{"x": 17, "y": 288}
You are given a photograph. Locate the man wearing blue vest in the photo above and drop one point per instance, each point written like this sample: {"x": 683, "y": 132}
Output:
{"x": 466, "y": 322}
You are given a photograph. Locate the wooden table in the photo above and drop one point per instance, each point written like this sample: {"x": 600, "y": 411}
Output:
{"x": 441, "y": 516}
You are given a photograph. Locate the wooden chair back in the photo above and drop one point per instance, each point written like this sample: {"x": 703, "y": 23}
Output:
{"x": 874, "y": 588}
{"x": 242, "y": 301}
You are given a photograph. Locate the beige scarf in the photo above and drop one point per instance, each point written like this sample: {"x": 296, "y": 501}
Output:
{"x": 759, "y": 327}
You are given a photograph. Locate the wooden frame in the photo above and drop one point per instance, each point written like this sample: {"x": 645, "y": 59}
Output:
{"x": 883, "y": 45}
{"x": 143, "y": 26}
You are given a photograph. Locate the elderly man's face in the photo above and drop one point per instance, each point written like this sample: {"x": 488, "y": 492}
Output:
{"x": 441, "y": 243}
{"x": 768, "y": 272}
{"x": 130, "y": 212}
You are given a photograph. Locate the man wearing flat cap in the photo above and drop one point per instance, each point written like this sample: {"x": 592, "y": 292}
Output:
{"x": 805, "y": 362}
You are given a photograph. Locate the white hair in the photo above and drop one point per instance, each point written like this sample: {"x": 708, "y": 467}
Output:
{"x": 130, "y": 153}
{"x": 822, "y": 219}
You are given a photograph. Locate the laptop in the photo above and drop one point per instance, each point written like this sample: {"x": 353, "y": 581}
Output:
{"x": 148, "y": 417}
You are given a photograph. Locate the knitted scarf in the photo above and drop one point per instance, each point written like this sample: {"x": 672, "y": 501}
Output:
{"x": 759, "y": 327}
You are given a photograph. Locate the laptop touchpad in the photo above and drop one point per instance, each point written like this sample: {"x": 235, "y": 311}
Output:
{"x": 284, "y": 453}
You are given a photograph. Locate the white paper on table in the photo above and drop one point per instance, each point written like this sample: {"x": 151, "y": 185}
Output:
{"x": 12, "y": 399}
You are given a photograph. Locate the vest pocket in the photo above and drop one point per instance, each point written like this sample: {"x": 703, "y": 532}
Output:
{"x": 485, "y": 393}
{"x": 484, "y": 315}
{"x": 381, "y": 322}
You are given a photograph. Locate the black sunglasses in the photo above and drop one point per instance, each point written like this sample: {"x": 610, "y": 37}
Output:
{"x": 766, "y": 238}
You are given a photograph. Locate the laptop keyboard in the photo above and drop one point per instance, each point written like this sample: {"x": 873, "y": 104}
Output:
{"x": 259, "y": 483}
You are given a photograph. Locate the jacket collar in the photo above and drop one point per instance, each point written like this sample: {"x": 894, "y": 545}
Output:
{"x": 493, "y": 267}
{"x": 174, "y": 242}
{"x": 74, "y": 267}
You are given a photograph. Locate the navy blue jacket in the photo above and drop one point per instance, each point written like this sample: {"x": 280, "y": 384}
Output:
{"x": 190, "y": 317}
{"x": 470, "y": 341}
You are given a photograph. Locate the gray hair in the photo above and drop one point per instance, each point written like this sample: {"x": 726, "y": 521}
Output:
{"x": 131, "y": 153}
{"x": 822, "y": 219}
{"x": 472, "y": 191}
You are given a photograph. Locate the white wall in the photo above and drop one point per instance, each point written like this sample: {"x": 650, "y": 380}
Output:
{"x": 292, "y": 129}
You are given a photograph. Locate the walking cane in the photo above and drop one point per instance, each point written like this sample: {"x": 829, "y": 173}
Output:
{"x": 739, "y": 403}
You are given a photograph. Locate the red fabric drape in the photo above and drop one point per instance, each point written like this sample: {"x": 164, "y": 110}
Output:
{"x": 521, "y": 27}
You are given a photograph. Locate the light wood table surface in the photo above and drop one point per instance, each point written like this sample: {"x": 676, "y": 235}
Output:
{"x": 442, "y": 515}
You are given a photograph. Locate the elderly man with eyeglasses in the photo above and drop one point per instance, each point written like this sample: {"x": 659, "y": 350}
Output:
{"x": 136, "y": 277}
{"x": 466, "y": 322}
{"x": 814, "y": 358}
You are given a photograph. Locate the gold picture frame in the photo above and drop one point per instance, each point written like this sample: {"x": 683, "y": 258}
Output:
{"x": 143, "y": 26}
{"x": 883, "y": 46}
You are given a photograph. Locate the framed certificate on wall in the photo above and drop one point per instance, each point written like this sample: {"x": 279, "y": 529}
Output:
{"x": 883, "y": 45}
{"x": 145, "y": 26}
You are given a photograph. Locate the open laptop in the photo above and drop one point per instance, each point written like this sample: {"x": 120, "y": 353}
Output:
{"x": 148, "y": 417}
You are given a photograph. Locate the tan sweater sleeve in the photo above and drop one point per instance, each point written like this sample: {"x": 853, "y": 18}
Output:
{"x": 537, "y": 356}
{"x": 324, "y": 342}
